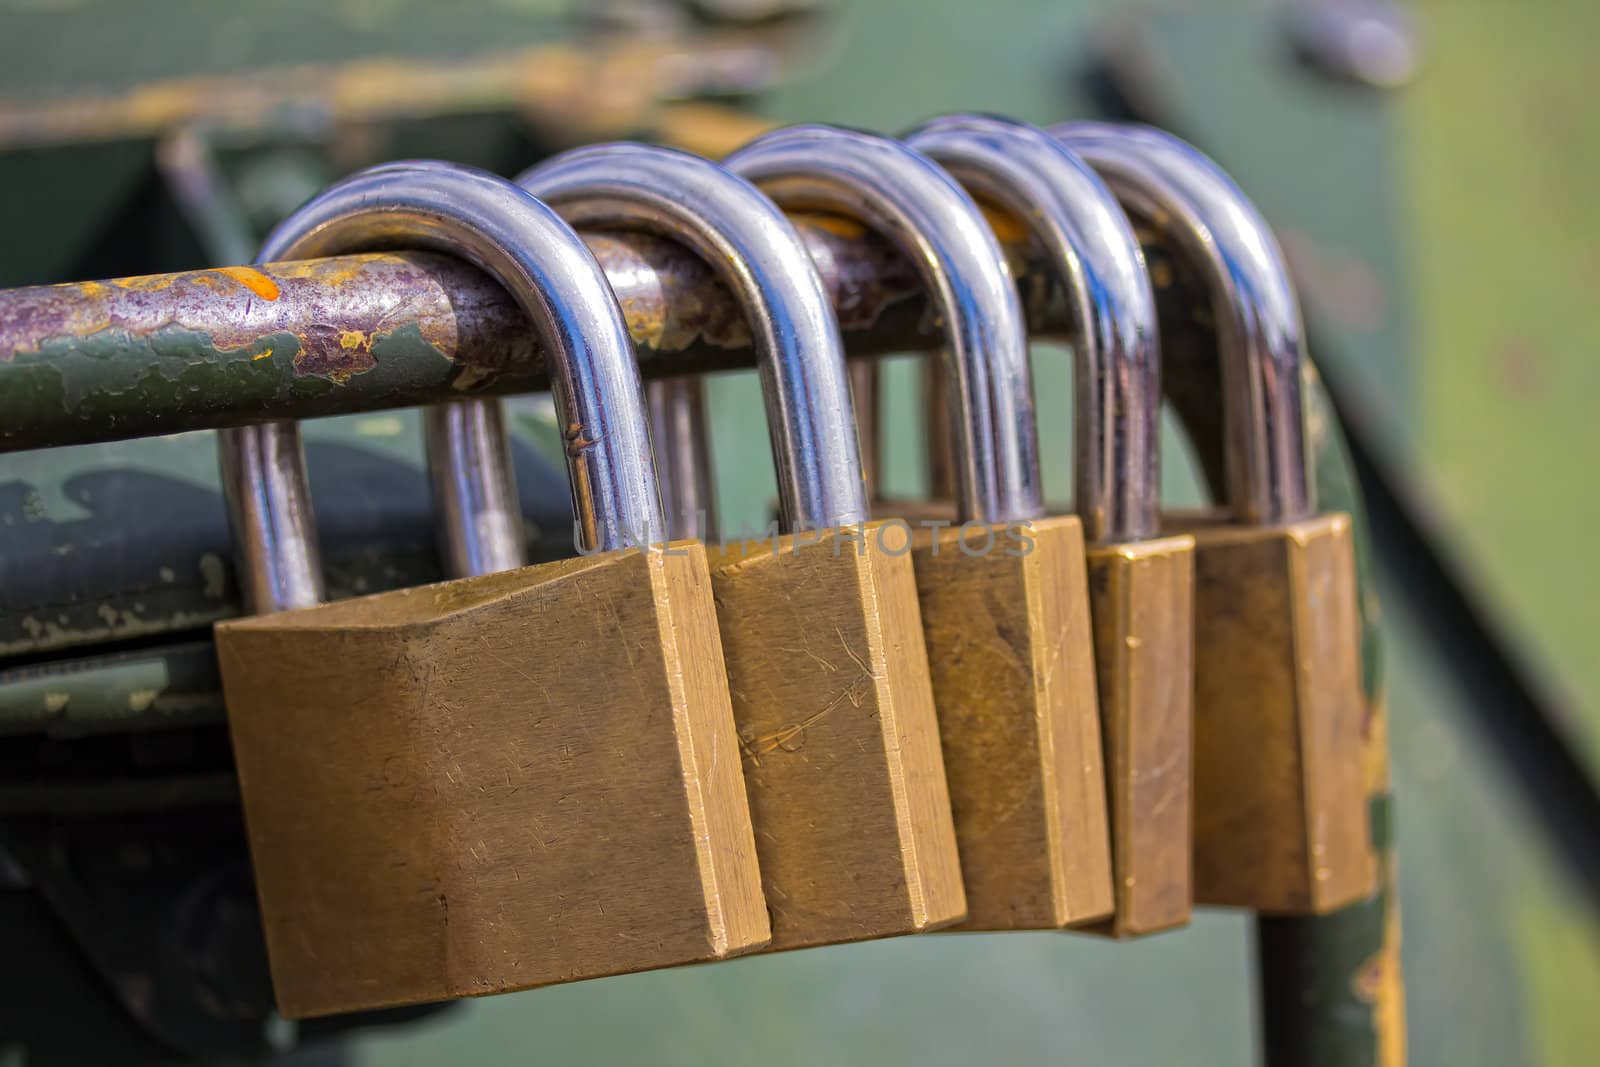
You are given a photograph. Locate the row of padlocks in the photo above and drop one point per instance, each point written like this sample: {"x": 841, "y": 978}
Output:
{"x": 891, "y": 717}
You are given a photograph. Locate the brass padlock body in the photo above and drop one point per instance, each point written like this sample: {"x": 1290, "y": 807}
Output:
{"x": 493, "y": 783}
{"x": 1007, "y": 629}
{"x": 1141, "y": 598}
{"x": 1006, "y": 622}
{"x": 1281, "y": 823}
{"x": 823, "y": 641}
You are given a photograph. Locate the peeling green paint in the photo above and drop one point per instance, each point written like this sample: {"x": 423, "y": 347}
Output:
{"x": 170, "y": 687}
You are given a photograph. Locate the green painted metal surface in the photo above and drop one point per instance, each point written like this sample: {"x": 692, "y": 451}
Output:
{"x": 1502, "y": 147}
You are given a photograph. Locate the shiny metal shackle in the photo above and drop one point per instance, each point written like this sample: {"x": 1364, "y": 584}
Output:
{"x": 904, "y": 196}
{"x": 1182, "y": 195}
{"x": 1025, "y": 172}
{"x": 476, "y": 509}
{"x": 754, "y": 250}
{"x": 507, "y": 233}
{"x": 684, "y": 469}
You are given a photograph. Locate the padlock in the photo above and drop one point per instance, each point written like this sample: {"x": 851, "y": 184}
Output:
{"x": 1280, "y": 817}
{"x": 820, "y": 624}
{"x": 1139, "y": 583}
{"x": 501, "y": 781}
{"x": 1004, "y": 611}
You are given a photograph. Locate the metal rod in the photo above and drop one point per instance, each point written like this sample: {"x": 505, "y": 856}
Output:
{"x": 99, "y": 361}
{"x": 680, "y": 433}
{"x": 865, "y": 394}
{"x": 135, "y": 357}
{"x": 264, "y": 485}
{"x": 940, "y": 444}
{"x": 474, "y": 489}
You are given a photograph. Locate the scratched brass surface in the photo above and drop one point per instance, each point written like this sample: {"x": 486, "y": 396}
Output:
{"x": 823, "y": 641}
{"x": 494, "y": 783}
{"x": 1005, "y": 615}
{"x": 1141, "y": 597}
{"x": 1280, "y": 813}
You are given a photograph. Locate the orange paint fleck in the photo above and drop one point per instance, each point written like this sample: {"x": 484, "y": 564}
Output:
{"x": 253, "y": 280}
{"x": 150, "y": 283}
{"x": 334, "y": 271}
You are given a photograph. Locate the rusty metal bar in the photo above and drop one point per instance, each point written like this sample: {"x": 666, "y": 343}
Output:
{"x": 97, "y": 361}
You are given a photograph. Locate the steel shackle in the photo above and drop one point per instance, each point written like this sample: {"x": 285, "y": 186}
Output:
{"x": 755, "y": 251}
{"x": 1171, "y": 187}
{"x": 1116, "y": 356}
{"x": 884, "y": 185}
{"x": 682, "y": 439}
{"x": 507, "y": 233}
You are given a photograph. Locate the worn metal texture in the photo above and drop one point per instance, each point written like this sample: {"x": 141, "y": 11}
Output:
{"x": 317, "y": 338}
{"x": 95, "y": 361}
{"x": 1005, "y": 618}
{"x": 1009, "y": 643}
{"x": 522, "y": 781}
{"x": 112, "y": 360}
{"x": 1142, "y": 608}
{"x": 1280, "y": 822}
{"x": 837, "y": 736}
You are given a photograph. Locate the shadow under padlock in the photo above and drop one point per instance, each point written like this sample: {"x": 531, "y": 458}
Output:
{"x": 1004, "y": 609}
{"x": 1138, "y": 582}
{"x": 506, "y": 780}
{"x": 820, "y": 625}
{"x": 1280, "y": 810}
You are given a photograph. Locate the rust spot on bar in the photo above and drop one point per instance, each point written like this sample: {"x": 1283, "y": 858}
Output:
{"x": 332, "y": 353}
{"x": 253, "y": 280}
{"x": 149, "y": 283}
{"x": 394, "y": 330}
{"x": 331, "y": 272}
